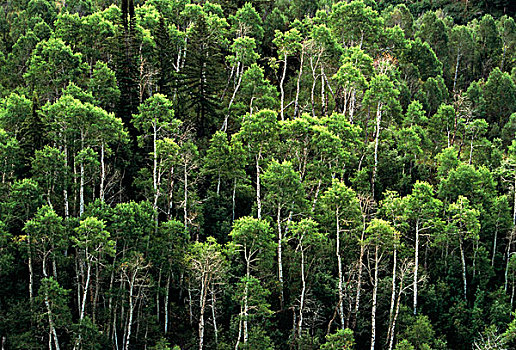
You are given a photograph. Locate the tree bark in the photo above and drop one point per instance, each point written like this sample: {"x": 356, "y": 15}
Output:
{"x": 339, "y": 262}
{"x": 102, "y": 172}
{"x": 258, "y": 196}
{"x": 375, "y": 291}
{"x": 280, "y": 262}
{"x": 416, "y": 265}
{"x": 303, "y": 291}
{"x": 376, "y": 141}
{"x": 296, "y": 103}
{"x": 281, "y": 87}
{"x": 463, "y": 262}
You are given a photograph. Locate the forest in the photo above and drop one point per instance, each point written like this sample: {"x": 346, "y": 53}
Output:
{"x": 273, "y": 174}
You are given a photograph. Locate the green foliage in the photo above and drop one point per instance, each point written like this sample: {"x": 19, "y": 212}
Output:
{"x": 395, "y": 143}
{"x": 341, "y": 340}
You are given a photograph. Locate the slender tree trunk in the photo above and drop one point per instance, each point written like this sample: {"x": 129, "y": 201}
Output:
{"x": 352, "y": 106}
{"x": 225, "y": 124}
{"x": 157, "y": 294}
{"x": 339, "y": 262}
{"x": 456, "y": 71}
{"x": 514, "y": 204}
{"x": 393, "y": 292}
{"x": 316, "y": 196}
{"x": 65, "y": 185}
{"x": 102, "y": 172}
{"x": 97, "y": 290}
{"x": 31, "y": 273}
{"x": 233, "y": 197}
{"x": 463, "y": 261}
{"x": 52, "y": 330}
{"x": 239, "y": 328}
{"x": 51, "y": 322}
{"x": 281, "y": 87}
{"x": 185, "y": 208}
{"x": 470, "y": 151}
{"x": 280, "y": 262}
{"x": 302, "y": 297}
{"x": 495, "y": 239}
{"x": 85, "y": 291}
{"x": 258, "y": 196}
{"x": 167, "y": 288}
{"x": 131, "y": 310}
{"x": 396, "y": 313}
{"x": 214, "y": 316}
{"x": 314, "y": 82}
{"x": 298, "y": 86}
{"x": 81, "y": 183}
{"x": 324, "y": 109}
{"x": 202, "y": 305}
{"x": 170, "y": 194}
{"x": 416, "y": 266}
{"x": 218, "y": 184}
{"x": 359, "y": 278}
{"x": 375, "y": 291}
{"x": 376, "y": 141}
{"x": 155, "y": 170}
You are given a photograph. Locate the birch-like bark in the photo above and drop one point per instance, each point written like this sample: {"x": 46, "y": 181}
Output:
{"x": 258, "y": 196}
{"x": 202, "y": 305}
{"x": 303, "y": 291}
{"x": 324, "y": 109}
{"x": 31, "y": 273}
{"x": 102, "y": 172}
{"x": 282, "y": 90}
{"x": 226, "y": 118}
{"x": 339, "y": 262}
{"x": 393, "y": 292}
{"x": 65, "y": 191}
{"x": 298, "y": 86}
{"x": 416, "y": 265}
{"x": 131, "y": 310}
{"x": 359, "y": 278}
{"x": 233, "y": 197}
{"x": 376, "y": 141}
{"x": 280, "y": 262}
{"x": 396, "y": 313}
{"x": 456, "y": 71}
{"x": 167, "y": 288}
{"x": 463, "y": 262}
{"x": 352, "y": 105}
{"x": 185, "y": 208}
{"x": 155, "y": 168}
{"x": 375, "y": 291}
{"x": 81, "y": 181}
{"x": 214, "y": 316}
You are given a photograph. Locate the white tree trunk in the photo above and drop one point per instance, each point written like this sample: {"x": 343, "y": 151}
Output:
{"x": 131, "y": 310}
{"x": 302, "y": 297}
{"x": 339, "y": 262}
{"x": 281, "y": 87}
{"x": 463, "y": 262}
{"x": 280, "y": 262}
{"x": 416, "y": 266}
{"x": 185, "y": 209}
{"x": 393, "y": 292}
{"x": 395, "y": 318}
{"x": 296, "y": 103}
{"x": 167, "y": 288}
{"x": 376, "y": 141}
{"x": 258, "y": 196}
{"x": 102, "y": 172}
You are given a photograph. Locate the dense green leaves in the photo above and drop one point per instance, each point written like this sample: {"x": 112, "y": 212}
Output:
{"x": 263, "y": 175}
